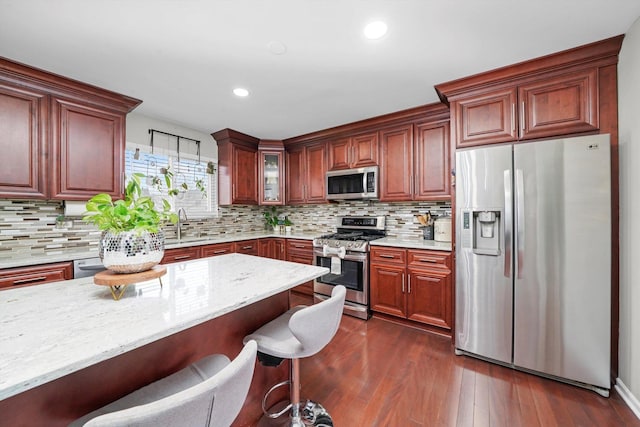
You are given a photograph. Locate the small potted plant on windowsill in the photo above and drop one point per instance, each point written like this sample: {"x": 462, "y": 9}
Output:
{"x": 132, "y": 240}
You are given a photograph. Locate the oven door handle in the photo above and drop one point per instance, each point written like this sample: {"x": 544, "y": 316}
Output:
{"x": 340, "y": 252}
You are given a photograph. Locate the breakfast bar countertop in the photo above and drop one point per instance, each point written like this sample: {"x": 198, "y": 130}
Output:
{"x": 54, "y": 329}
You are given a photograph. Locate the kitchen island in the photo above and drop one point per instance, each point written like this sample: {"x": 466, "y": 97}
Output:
{"x": 67, "y": 347}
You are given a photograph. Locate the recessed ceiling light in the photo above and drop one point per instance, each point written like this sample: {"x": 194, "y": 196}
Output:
{"x": 240, "y": 91}
{"x": 375, "y": 30}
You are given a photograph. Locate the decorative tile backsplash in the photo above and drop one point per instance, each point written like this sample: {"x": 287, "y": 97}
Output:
{"x": 28, "y": 228}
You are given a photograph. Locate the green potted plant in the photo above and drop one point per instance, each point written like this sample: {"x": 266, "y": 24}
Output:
{"x": 287, "y": 225}
{"x": 132, "y": 240}
{"x": 271, "y": 218}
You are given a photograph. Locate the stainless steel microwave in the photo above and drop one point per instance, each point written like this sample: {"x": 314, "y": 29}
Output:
{"x": 361, "y": 183}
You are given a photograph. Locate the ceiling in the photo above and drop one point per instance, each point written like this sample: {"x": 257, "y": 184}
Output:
{"x": 184, "y": 57}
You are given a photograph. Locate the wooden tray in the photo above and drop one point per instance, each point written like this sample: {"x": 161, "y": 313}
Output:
{"x": 118, "y": 282}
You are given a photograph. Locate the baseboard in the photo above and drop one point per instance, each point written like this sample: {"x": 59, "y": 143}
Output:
{"x": 628, "y": 397}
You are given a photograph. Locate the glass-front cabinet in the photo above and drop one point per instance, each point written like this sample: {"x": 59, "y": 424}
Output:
{"x": 271, "y": 172}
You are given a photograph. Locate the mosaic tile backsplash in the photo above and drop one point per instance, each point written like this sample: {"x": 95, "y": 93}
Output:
{"x": 28, "y": 228}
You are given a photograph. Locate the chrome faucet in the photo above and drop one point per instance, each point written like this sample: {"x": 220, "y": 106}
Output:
{"x": 182, "y": 215}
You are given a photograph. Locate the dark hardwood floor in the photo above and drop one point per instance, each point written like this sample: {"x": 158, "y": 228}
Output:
{"x": 378, "y": 373}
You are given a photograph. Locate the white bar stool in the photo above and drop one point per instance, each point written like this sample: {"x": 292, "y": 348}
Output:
{"x": 209, "y": 392}
{"x": 300, "y": 332}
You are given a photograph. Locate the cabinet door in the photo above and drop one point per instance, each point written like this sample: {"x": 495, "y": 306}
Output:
{"x": 559, "y": 106}
{"x": 339, "y": 154}
{"x": 245, "y": 170}
{"x": 432, "y": 162}
{"x": 396, "y": 164}
{"x": 485, "y": 118}
{"x": 280, "y": 249}
{"x": 216, "y": 249}
{"x": 386, "y": 284}
{"x": 87, "y": 152}
{"x": 316, "y": 166}
{"x": 270, "y": 178}
{"x": 364, "y": 149}
{"x": 429, "y": 297}
{"x": 22, "y": 120}
{"x": 295, "y": 176}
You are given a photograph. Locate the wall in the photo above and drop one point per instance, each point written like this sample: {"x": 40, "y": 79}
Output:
{"x": 629, "y": 140}
{"x": 138, "y": 132}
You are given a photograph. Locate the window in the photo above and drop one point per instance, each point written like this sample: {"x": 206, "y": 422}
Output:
{"x": 187, "y": 171}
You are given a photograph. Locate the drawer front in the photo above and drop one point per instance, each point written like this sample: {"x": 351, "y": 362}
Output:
{"x": 35, "y": 275}
{"x": 248, "y": 247}
{"x": 180, "y": 254}
{"x": 388, "y": 255}
{"x": 299, "y": 245}
{"x": 215, "y": 250}
{"x": 420, "y": 258}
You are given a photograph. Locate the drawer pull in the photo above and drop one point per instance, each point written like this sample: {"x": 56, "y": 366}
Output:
{"x": 181, "y": 257}
{"x": 431, "y": 260}
{"x": 220, "y": 251}
{"x": 386, "y": 256}
{"x": 247, "y": 247}
{"x": 30, "y": 280}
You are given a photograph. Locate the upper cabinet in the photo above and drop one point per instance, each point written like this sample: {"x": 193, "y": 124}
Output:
{"x": 62, "y": 139}
{"x": 237, "y": 168}
{"x": 306, "y": 169}
{"x": 353, "y": 152}
{"x": 271, "y": 173}
{"x": 556, "y": 95}
{"x": 415, "y": 158}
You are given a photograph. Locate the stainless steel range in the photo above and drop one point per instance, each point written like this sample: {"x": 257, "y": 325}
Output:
{"x": 346, "y": 254}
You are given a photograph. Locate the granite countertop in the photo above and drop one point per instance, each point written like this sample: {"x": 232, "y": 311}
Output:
{"x": 413, "y": 244}
{"x": 54, "y": 329}
{"x": 91, "y": 252}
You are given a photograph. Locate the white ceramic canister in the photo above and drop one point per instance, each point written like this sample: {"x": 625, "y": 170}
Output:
{"x": 442, "y": 229}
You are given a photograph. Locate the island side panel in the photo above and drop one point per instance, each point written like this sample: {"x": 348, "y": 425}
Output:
{"x": 61, "y": 401}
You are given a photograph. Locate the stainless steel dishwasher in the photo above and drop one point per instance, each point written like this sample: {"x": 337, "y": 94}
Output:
{"x": 87, "y": 267}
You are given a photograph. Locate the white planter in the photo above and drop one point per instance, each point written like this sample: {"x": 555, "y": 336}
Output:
{"x": 129, "y": 252}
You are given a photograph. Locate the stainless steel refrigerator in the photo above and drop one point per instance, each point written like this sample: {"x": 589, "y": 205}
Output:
{"x": 533, "y": 257}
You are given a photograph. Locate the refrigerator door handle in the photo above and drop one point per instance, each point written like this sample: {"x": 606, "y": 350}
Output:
{"x": 520, "y": 238}
{"x": 508, "y": 203}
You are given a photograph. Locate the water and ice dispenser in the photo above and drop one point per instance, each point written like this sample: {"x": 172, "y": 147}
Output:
{"x": 481, "y": 231}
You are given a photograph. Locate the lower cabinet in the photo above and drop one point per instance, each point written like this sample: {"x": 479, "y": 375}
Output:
{"x": 412, "y": 284}
{"x": 301, "y": 251}
{"x": 180, "y": 254}
{"x": 216, "y": 249}
{"x": 35, "y": 275}
{"x": 248, "y": 247}
{"x": 273, "y": 247}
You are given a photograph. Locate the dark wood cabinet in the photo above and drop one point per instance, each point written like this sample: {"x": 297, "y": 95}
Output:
{"x": 306, "y": 169}
{"x": 432, "y": 161}
{"x": 180, "y": 254}
{"x": 61, "y": 139}
{"x": 353, "y": 152}
{"x": 237, "y": 168}
{"x": 23, "y": 120}
{"x": 86, "y": 152}
{"x": 273, "y": 248}
{"x": 301, "y": 251}
{"x": 35, "y": 275}
{"x": 412, "y": 284}
{"x": 559, "y": 105}
{"x": 271, "y": 173}
{"x": 248, "y": 247}
{"x": 216, "y": 249}
{"x": 396, "y": 163}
